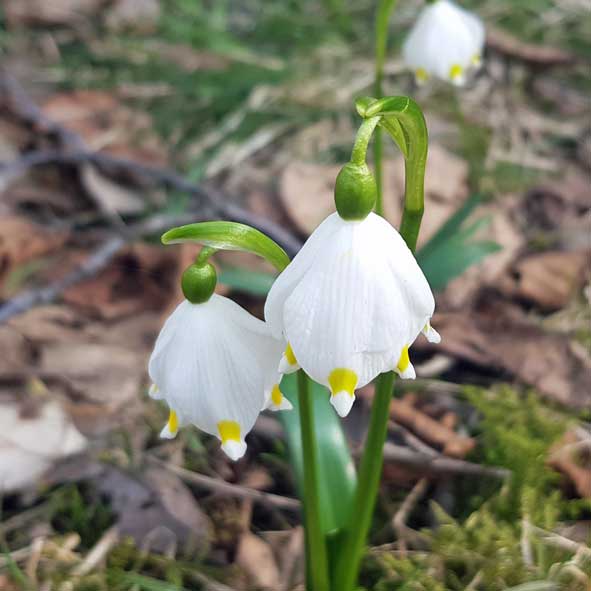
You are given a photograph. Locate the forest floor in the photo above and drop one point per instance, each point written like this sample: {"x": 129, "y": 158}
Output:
{"x": 122, "y": 118}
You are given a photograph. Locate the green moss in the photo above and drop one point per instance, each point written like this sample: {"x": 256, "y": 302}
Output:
{"x": 515, "y": 432}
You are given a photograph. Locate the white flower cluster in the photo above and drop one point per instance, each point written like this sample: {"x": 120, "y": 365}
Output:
{"x": 346, "y": 309}
{"x": 446, "y": 42}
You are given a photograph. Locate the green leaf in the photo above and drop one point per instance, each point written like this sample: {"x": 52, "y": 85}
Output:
{"x": 253, "y": 282}
{"x": 451, "y": 251}
{"x": 230, "y": 236}
{"x": 337, "y": 470}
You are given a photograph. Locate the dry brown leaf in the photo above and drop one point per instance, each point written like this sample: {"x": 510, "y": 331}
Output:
{"x": 47, "y": 324}
{"x": 136, "y": 15}
{"x": 572, "y": 456}
{"x": 108, "y": 376}
{"x": 535, "y": 54}
{"x": 255, "y": 557}
{"x": 307, "y": 190}
{"x": 157, "y": 510}
{"x": 30, "y": 443}
{"x": 21, "y": 241}
{"x": 501, "y": 337}
{"x": 431, "y": 430}
{"x": 550, "y": 279}
{"x": 142, "y": 277}
{"x": 109, "y": 196}
{"x": 307, "y": 193}
{"x": 257, "y": 478}
{"x": 15, "y": 351}
{"x": 446, "y": 188}
{"x": 106, "y": 124}
{"x": 42, "y": 12}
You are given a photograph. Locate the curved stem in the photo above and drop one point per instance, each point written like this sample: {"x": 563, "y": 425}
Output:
{"x": 370, "y": 471}
{"x": 316, "y": 554}
{"x": 402, "y": 114}
{"x": 204, "y": 255}
{"x": 362, "y": 139}
{"x": 383, "y": 13}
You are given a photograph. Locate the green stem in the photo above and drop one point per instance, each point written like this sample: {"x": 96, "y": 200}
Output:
{"x": 316, "y": 556}
{"x": 359, "y": 152}
{"x": 370, "y": 471}
{"x": 383, "y": 13}
{"x": 402, "y": 118}
{"x": 404, "y": 121}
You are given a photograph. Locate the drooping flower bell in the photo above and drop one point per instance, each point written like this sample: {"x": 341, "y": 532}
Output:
{"x": 446, "y": 42}
{"x": 215, "y": 364}
{"x": 353, "y": 299}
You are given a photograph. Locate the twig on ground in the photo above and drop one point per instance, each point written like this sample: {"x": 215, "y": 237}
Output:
{"x": 234, "y": 490}
{"x": 405, "y": 533}
{"x": 525, "y": 542}
{"x": 534, "y": 54}
{"x": 34, "y": 558}
{"x": 97, "y": 261}
{"x": 554, "y": 539}
{"x": 72, "y": 151}
{"x": 429, "y": 464}
{"x": 97, "y": 553}
{"x": 426, "y": 463}
{"x": 431, "y": 430}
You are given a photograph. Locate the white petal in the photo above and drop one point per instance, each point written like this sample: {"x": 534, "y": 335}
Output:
{"x": 408, "y": 374}
{"x": 342, "y": 403}
{"x": 214, "y": 362}
{"x": 284, "y": 284}
{"x": 364, "y": 299}
{"x": 444, "y": 36}
{"x": 155, "y": 393}
{"x": 234, "y": 449}
{"x": 285, "y": 367}
{"x": 431, "y": 334}
{"x": 166, "y": 433}
{"x": 285, "y": 404}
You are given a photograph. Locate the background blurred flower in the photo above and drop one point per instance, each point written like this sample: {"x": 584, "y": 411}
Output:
{"x": 446, "y": 42}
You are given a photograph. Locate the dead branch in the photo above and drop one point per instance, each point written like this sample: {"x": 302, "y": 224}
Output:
{"x": 227, "y": 488}
{"x": 537, "y": 55}
{"x": 425, "y": 463}
{"x": 430, "y": 430}
{"x": 406, "y": 534}
{"x": 428, "y": 464}
{"x": 71, "y": 151}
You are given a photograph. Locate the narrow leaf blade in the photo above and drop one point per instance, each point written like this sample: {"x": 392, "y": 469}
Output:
{"x": 338, "y": 477}
{"x": 229, "y": 236}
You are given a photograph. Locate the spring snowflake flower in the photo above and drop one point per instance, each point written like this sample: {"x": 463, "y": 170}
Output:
{"x": 446, "y": 41}
{"x": 216, "y": 367}
{"x": 350, "y": 304}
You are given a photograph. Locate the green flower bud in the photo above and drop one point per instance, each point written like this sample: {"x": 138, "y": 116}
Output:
{"x": 355, "y": 192}
{"x": 198, "y": 282}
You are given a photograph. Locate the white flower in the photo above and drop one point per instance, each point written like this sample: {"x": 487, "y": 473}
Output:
{"x": 216, "y": 367}
{"x": 350, "y": 304}
{"x": 446, "y": 42}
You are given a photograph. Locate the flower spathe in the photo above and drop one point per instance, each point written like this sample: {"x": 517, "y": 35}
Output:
{"x": 350, "y": 304}
{"x": 446, "y": 42}
{"x": 215, "y": 365}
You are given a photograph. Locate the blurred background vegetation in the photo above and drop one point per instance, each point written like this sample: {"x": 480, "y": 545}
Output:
{"x": 487, "y": 482}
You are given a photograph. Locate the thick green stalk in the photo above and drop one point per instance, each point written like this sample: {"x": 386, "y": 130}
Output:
{"x": 370, "y": 470}
{"x": 383, "y": 13}
{"x": 402, "y": 118}
{"x": 316, "y": 554}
